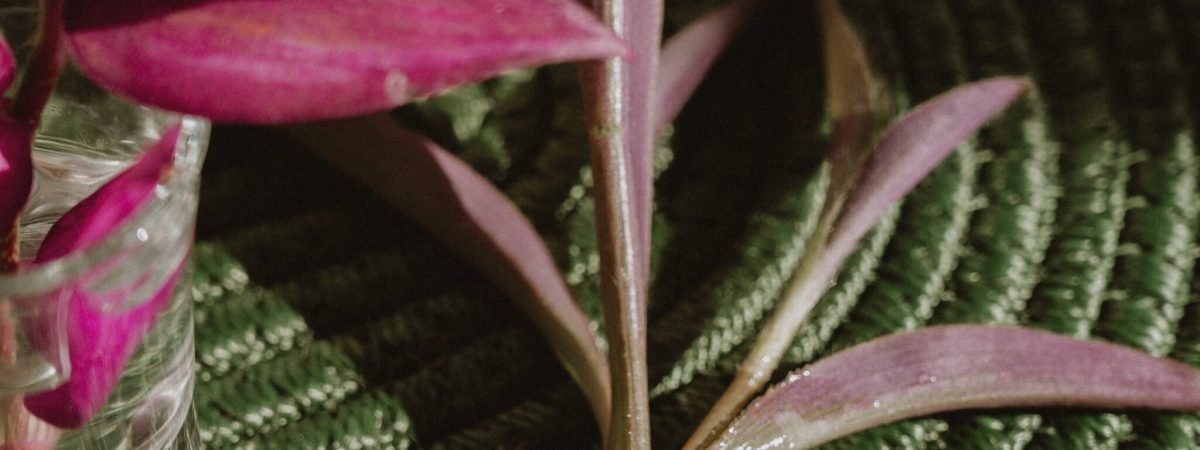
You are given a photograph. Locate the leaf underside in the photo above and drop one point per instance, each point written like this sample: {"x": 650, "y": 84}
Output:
{"x": 953, "y": 367}
{"x": 266, "y": 61}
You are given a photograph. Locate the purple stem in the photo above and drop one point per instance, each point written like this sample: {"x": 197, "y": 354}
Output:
{"x": 620, "y": 99}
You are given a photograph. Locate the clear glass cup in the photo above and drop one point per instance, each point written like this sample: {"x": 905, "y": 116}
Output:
{"x": 86, "y": 138}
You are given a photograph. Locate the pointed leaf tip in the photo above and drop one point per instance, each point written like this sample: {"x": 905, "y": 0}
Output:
{"x": 99, "y": 341}
{"x": 913, "y": 147}
{"x": 101, "y": 213}
{"x": 956, "y": 367}
{"x": 451, "y": 200}
{"x": 270, "y": 61}
{"x": 688, "y": 55}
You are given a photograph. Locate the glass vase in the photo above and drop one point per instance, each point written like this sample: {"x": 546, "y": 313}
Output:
{"x": 86, "y": 138}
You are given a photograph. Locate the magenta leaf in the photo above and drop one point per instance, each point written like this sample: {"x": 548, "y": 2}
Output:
{"x": 100, "y": 342}
{"x": 16, "y": 181}
{"x": 449, "y": 199}
{"x": 956, "y": 367}
{"x": 272, "y": 61}
{"x": 16, "y": 166}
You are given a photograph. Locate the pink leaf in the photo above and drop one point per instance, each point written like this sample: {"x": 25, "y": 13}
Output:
{"x": 855, "y": 105}
{"x": 912, "y": 148}
{"x": 16, "y": 165}
{"x": 460, "y": 206}
{"x": 16, "y": 181}
{"x": 688, "y": 55}
{"x": 100, "y": 342}
{"x": 956, "y": 367}
{"x": 8, "y": 66}
{"x": 271, "y": 61}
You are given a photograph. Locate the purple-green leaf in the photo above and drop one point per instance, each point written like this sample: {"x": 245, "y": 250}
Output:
{"x": 905, "y": 154}
{"x": 855, "y": 105}
{"x": 956, "y": 367}
{"x": 449, "y": 199}
{"x": 272, "y": 61}
{"x": 16, "y": 181}
{"x": 100, "y": 341}
{"x": 621, "y": 102}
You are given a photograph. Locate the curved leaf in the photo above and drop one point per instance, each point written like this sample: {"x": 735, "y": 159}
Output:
{"x": 905, "y": 154}
{"x": 956, "y": 367}
{"x": 449, "y": 199}
{"x": 272, "y": 61}
{"x": 688, "y": 55}
{"x": 16, "y": 182}
{"x": 855, "y": 105}
{"x": 8, "y": 66}
{"x": 100, "y": 342}
{"x": 16, "y": 166}
{"x": 912, "y": 148}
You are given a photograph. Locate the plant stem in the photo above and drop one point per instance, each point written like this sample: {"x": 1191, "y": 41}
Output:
{"x": 792, "y": 311}
{"x": 9, "y": 250}
{"x": 624, "y": 292}
{"x": 620, "y": 98}
{"x": 45, "y": 64}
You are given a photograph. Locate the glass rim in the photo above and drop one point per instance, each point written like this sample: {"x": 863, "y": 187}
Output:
{"x": 189, "y": 156}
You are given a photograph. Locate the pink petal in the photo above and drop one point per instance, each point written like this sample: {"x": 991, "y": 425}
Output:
{"x": 449, "y": 199}
{"x": 271, "y": 61}
{"x": 956, "y": 367}
{"x": 100, "y": 342}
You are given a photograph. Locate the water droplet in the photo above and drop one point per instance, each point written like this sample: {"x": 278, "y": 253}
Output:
{"x": 876, "y": 404}
{"x": 806, "y": 372}
{"x": 396, "y": 87}
{"x": 143, "y": 235}
{"x": 933, "y": 378}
